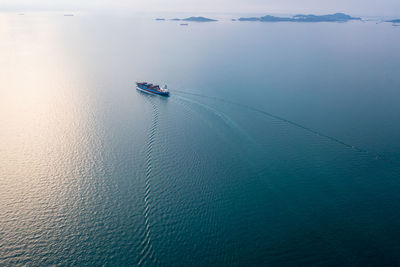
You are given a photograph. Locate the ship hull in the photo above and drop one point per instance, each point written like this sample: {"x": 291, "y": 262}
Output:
{"x": 150, "y": 91}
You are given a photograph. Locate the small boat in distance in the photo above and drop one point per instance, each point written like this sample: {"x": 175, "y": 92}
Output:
{"x": 152, "y": 88}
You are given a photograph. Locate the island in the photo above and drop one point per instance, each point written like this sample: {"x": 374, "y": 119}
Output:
{"x": 160, "y": 19}
{"x": 394, "y": 21}
{"x": 199, "y": 19}
{"x": 338, "y": 17}
{"x": 195, "y": 19}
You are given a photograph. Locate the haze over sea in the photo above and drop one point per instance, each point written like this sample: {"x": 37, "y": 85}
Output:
{"x": 279, "y": 145}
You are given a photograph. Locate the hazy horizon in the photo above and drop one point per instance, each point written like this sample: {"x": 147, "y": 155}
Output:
{"x": 354, "y": 7}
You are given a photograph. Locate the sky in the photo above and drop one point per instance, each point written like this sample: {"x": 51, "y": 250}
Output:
{"x": 352, "y": 7}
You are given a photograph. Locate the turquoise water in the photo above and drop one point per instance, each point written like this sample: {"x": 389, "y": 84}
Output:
{"x": 279, "y": 145}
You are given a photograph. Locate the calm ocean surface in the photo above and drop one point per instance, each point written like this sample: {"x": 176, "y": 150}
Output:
{"x": 279, "y": 145}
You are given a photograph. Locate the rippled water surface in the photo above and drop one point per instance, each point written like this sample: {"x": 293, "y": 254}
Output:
{"x": 279, "y": 145}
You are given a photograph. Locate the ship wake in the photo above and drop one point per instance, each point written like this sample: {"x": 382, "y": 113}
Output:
{"x": 293, "y": 123}
{"x": 147, "y": 254}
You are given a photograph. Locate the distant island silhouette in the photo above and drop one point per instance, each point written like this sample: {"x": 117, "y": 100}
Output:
{"x": 160, "y": 19}
{"x": 394, "y": 21}
{"x": 338, "y": 17}
{"x": 196, "y": 19}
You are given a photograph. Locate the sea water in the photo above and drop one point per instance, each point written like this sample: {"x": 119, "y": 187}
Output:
{"x": 279, "y": 144}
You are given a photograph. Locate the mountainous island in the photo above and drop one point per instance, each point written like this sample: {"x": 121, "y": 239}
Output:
{"x": 338, "y": 17}
{"x": 195, "y": 19}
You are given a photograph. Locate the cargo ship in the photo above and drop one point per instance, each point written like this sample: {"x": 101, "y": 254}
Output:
{"x": 152, "y": 88}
